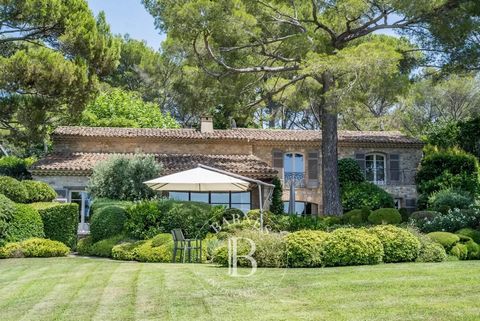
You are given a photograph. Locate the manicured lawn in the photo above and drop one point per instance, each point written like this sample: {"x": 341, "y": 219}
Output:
{"x": 97, "y": 289}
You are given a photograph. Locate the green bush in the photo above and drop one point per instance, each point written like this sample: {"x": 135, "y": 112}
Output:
{"x": 276, "y": 206}
{"x": 470, "y": 232}
{"x": 15, "y": 167}
{"x": 84, "y": 246}
{"x": 270, "y": 249}
{"x": 157, "y": 249}
{"x": 60, "y": 221}
{"x": 385, "y": 216}
{"x": 34, "y": 247}
{"x": 292, "y": 223}
{"x": 365, "y": 194}
{"x": 431, "y": 252}
{"x": 357, "y": 216}
{"x": 39, "y": 192}
{"x": 7, "y": 210}
{"x": 122, "y": 177}
{"x": 453, "y": 221}
{"x": 104, "y": 247}
{"x": 304, "y": 248}
{"x": 446, "y": 239}
{"x": 107, "y": 222}
{"x": 231, "y": 214}
{"x": 446, "y": 200}
{"x": 126, "y": 251}
{"x": 473, "y": 250}
{"x": 349, "y": 246}
{"x": 146, "y": 219}
{"x": 349, "y": 172}
{"x": 404, "y": 213}
{"x": 13, "y": 189}
{"x": 24, "y": 224}
{"x": 460, "y": 251}
{"x": 99, "y": 203}
{"x": 448, "y": 169}
{"x": 399, "y": 245}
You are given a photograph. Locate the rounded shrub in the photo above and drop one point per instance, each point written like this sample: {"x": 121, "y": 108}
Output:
{"x": 423, "y": 215}
{"x": 470, "y": 232}
{"x": 385, "y": 216}
{"x": 125, "y": 251}
{"x": 231, "y": 214}
{"x": 39, "y": 192}
{"x": 304, "y": 248}
{"x": 25, "y": 223}
{"x": 365, "y": 194}
{"x": 357, "y": 216}
{"x": 146, "y": 252}
{"x": 104, "y": 247}
{"x": 13, "y": 189}
{"x": 431, "y": 252}
{"x": 34, "y": 247}
{"x": 446, "y": 200}
{"x": 349, "y": 246}
{"x": 16, "y": 167}
{"x": 446, "y": 239}
{"x": 473, "y": 250}
{"x": 7, "y": 210}
{"x": 460, "y": 251}
{"x": 399, "y": 245}
{"x": 107, "y": 222}
{"x": 84, "y": 246}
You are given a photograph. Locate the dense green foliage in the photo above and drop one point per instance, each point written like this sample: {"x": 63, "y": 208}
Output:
{"x": 399, "y": 245}
{"x": 348, "y": 246}
{"x": 149, "y": 218}
{"x": 460, "y": 251}
{"x": 13, "y": 189}
{"x": 446, "y": 200}
{"x": 15, "y": 167}
{"x": 385, "y": 216}
{"x": 447, "y": 240}
{"x": 276, "y": 206}
{"x": 470, "y": 232}
{"x": 107, "y": 222}
{"x": 357, "y": 217}
{"x": 7, "y": 210}
{"x": 448, "y": 169}
{"x": 52, "y": 54}
{"x": 122, "y": 178}
{"x": 451, "y": 221}
{"x": 304, "y": 248}
{"x": 25, "y": 223}
{"x": 39, "y": 192}
{"x": 102, "y": 248}
{"x": 34, "y": 247}
{"x": 120, "y": 108}
{"x": 349, "y": 172}
{"x": 99, "y": 203}
{"x": 60, "y": 221}
{"x": 365, "y": 194}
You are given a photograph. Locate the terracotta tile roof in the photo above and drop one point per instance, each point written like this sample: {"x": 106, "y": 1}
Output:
{"x": 247, "y": 134}
{"x": 83, "y": 163}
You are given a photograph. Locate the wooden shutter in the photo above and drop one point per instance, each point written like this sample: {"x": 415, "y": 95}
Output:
{"x": 313, "y": 165}
{"x": 277, "y": 158}
{"x": 360, "y": 158}
{"x": 394, "y": 167}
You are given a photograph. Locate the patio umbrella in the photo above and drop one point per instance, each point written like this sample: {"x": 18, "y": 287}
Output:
{"x": 291, "y": 201}
{"x": 198, "y": 180}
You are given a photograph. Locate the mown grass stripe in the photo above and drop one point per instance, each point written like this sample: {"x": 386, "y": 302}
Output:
{"x": 152, "y": 297}
{"x": 118, "y": 299}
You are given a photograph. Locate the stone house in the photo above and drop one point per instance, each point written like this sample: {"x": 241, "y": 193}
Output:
{"x": 389, "y": 159}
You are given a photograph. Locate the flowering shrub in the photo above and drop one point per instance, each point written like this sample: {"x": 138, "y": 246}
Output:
{"x": 454, "y": 220}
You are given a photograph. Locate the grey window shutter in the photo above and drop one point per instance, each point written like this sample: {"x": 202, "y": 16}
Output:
{"x": 313, "y": 165}
{"x": 277, "y": 158}
{"x": 360, "y": 158}
{"x": 411, "y": 204}
{"x": 394, "y": 167}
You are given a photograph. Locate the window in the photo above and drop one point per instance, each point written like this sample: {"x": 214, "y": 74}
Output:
{"x": 84, "y": 201}
{"x": 398, "y": 203}
{"x": 294, "y": 169}
{"x": 375, "y": 169}
{"x": 301, "y": 208}
{"x": 240, "y": 200}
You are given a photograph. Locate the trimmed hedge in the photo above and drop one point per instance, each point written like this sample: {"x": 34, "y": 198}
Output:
{"x": 13, "y": 189}
{"x": 34, "y": 247}
{"x": 446, "y": 239}
{"x": 470, "y": 232}
{"x": 107, "y": 222}
{"x": 7, "y": 210}
{"x": 157, "y": 249}
{"x": 60, "y": 221}
{"x": 349, "y": 172}
{"x": 304, "y": 248}
{"x": 101, "y": 248}
{"x": 349, "y": 246}
{"x": 39, "y": 192}
{"x": 25, "y": 223}
{"x": 399, "y": 245}
{"x": 365, "y": 194}
{"x": 357, "y": 216}
{"x": 385, "y": 216}
{"x": 460, "y": 251}
{"x": 431, "y": 252}
{"x": 99, "y": 203}
{"x": 446, "y": 200}
{"x": 15, "y": 167}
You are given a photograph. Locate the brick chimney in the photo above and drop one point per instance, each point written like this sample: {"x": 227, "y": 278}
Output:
{"x": 206, "y": 124}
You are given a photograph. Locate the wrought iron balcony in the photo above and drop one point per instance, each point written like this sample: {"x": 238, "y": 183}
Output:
{"x": 297, "y": 177}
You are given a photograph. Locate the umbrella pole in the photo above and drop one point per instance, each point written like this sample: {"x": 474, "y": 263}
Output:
{"x": 261, "y": 205}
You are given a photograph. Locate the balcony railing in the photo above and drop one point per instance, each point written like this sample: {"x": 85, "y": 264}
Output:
{"x": 297, "y": 177}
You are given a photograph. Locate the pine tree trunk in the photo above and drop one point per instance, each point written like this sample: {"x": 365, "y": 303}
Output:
{"x": 330, "y": 183}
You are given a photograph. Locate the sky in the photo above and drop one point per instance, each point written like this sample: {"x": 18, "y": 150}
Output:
{"x": 129, "y": 16}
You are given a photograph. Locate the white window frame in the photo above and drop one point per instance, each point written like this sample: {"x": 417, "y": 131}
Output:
{"x": 375, "y": 180}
